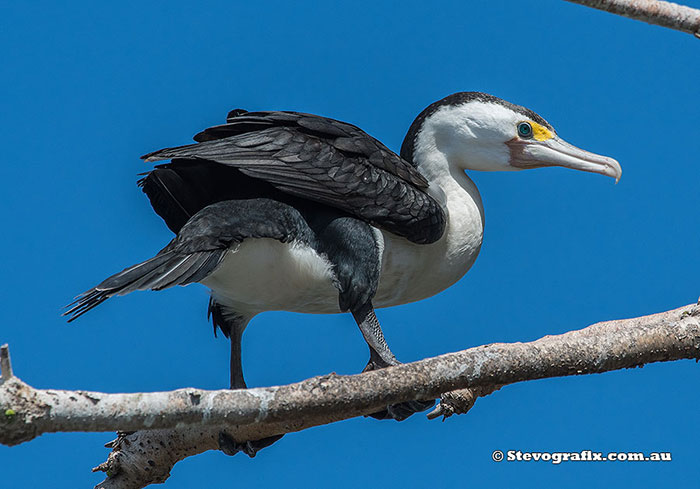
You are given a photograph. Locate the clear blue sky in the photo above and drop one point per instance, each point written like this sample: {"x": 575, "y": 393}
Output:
{"x": 86, "y": 88}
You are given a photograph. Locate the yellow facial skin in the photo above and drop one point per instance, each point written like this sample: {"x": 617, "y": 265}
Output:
{"x": 539, "y": 132}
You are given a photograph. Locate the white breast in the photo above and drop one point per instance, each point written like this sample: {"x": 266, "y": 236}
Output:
{"x": 265, "y": 275}
{"x": 411, "y": 272}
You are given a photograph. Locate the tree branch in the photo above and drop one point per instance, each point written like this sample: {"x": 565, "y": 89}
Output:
{"x": 664, "y": 14}
{"x": 185, "y": 422}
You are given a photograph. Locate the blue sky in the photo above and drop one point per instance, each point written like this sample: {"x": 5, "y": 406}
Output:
{"x": 86, "y": 88}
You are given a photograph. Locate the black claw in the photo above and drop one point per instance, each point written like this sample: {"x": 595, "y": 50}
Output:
{"x": 403, "y": 410}
{"x": 228, "y": 445}
{"x": 265, "y": 442}
{"x": 251, "y": 448}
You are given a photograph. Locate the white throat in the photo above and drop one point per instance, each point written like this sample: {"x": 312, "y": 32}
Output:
{"x": 436, "y": 161}
{"x": 460, "y": 198}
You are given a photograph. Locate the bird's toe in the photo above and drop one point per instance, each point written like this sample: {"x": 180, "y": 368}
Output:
{"x": 251, "y": 448}
{"x": 403, "y": 410}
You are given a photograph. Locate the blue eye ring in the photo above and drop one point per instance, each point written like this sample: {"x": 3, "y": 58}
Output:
{"x": 525, "y": 130}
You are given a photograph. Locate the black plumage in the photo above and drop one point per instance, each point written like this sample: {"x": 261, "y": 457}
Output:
{"x": 306, "y": 156}
{"x": 201, "y": 243}
{"x": 167, "y": 268}
{"x": 280, "y": 175}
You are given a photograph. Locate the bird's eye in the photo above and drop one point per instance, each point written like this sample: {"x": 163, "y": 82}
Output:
{"x": 525, "y": 130}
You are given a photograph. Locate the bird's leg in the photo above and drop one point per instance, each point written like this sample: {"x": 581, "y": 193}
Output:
{"x": 227, "y": 444}
{"x": 380, "y": 356}
{"x": 354, "y": 249}
{"x": 236, "y": 361}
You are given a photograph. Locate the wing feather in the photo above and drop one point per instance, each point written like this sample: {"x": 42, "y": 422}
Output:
{"x": 323, "y": 160}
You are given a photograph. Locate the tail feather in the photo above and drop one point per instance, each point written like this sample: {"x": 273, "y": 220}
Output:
{"x": 133, "y": 273}
{"x": 209, "y": 261}
{"x": 162, "y": 271}
{"x": 173, "y": 274}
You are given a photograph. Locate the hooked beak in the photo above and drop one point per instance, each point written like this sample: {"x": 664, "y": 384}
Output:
{"x": 529, "y": 153}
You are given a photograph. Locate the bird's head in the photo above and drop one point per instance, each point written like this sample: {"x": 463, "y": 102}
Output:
{"x": 476, "y": 131}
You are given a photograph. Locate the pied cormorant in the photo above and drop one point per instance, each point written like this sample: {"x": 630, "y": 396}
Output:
{"x": 297, "y": 212}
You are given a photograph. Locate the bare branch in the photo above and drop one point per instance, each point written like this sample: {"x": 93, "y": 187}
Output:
{"x": 146, "y": 457}
{"x": 664, "y": 14}
{"x": 185, "y": 422}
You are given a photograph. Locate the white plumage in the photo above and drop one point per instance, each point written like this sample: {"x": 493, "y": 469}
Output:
{"x": 263, "y": 274}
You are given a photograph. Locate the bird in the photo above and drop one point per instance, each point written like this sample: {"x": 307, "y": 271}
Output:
{"x": 283, "y": 210}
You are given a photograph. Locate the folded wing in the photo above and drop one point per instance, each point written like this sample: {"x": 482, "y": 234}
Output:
{"x": 313, "y": 158}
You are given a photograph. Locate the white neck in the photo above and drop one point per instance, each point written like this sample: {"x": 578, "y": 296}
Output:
{"x": 412, "y": 272}
{"x": 461, "y": 201}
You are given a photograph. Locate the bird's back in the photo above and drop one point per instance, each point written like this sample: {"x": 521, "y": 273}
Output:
{"x": 283, "y": 155}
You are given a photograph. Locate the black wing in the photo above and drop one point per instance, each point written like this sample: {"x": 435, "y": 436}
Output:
{"x": 199, "y": 248}
{"x": 311, "y": 157}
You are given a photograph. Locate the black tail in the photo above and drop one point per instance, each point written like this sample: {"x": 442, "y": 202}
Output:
{"x": 164, "y": 270}
{"x": 181, "y": 188}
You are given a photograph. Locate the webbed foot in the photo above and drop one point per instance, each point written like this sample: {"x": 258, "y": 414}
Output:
{"x": 251, "y": 448}
{"x": 403, "y": 410}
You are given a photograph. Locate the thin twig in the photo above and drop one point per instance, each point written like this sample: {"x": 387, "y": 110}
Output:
{"x": 664, "y": 14}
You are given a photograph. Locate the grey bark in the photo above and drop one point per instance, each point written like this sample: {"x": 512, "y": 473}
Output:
{"x": 181, "y": 423}
{"x": 665, "y": 14}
